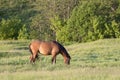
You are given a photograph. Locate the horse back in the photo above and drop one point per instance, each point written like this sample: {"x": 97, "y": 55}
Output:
{"x": 48, "y": 48}
{"x": 44, "y": 47}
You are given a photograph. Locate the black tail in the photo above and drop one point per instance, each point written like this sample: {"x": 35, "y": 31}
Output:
{"x": 30, "y": 49}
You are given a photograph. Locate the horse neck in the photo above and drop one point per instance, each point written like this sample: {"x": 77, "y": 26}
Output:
{"x": 63, "y": 51}
{"x": 65, "y": 54}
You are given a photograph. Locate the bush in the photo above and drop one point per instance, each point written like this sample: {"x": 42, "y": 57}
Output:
{"x": 23, "y": 33}
{"x": 9, "y": 28}
{"x": 92, "y": 20}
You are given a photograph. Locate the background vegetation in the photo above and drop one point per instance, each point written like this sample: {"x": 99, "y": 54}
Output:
{"x": 62, "y": 20}
{"x": 67, "y": 21}
{"x": 98, "y": 60}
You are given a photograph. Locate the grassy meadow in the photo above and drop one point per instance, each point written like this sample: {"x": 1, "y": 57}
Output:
{"x": 98, "y": 60}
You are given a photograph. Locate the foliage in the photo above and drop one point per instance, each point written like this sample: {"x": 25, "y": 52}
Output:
{"x": 93, "y": 20}
{"x": 36, "y": 14}
{"x": 23, "y": 33}
{"x": 9, "y": 28}
{"x": 58, "y": 26}
{"x": 39, "y": 30}
{"x": 64, "y": 20}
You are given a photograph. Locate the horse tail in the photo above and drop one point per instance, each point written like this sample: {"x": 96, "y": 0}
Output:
{"x": 30, "y": 49}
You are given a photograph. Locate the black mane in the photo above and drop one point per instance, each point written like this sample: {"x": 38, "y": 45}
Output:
{"x": 62, "y": 48}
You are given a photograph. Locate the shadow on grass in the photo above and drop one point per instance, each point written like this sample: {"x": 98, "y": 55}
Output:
{"x": 10, "y": 54}
{"x": 22, "y": 48}
{"x": 4, "y": 54}
{"x": 15, "y": 62}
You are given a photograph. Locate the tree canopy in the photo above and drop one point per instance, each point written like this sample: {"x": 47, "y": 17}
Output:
{"x": 61, "y": 20}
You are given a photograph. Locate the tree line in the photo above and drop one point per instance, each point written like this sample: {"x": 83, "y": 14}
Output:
{"x": 61, "y": 20}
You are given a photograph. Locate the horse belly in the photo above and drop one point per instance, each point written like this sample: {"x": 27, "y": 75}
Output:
{"x": 45, "y": 51}
{"x": 48, "y": 48}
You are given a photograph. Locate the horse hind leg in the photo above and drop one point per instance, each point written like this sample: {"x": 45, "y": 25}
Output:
{"x": 34, "y": 56}
{"x": 54, "y": 59}
{"x": 31, "y": 59}
{"x": 37, "y": 56}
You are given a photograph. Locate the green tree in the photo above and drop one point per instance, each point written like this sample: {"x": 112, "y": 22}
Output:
{"x": 9, "y": 28}
{"x": 92, "y": 20}
{"x": 58, "y": 26}
{"x": 23, "y": 33}
{"x": 36, "y": 14}
{"x": 40, "y": 30}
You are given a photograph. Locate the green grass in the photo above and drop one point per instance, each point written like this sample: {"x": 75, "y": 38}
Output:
{"x": 98, "y": 60}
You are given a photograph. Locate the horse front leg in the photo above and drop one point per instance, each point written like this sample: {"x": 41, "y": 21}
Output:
{"x": 54, "y": 60}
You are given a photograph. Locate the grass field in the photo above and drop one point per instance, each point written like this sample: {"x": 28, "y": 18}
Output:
{"x": 98, "y": 60}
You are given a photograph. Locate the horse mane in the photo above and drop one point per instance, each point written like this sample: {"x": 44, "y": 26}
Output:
{"x": 62, "y": 49}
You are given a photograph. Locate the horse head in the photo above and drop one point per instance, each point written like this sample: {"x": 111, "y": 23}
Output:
{"x": 67, "y": 61}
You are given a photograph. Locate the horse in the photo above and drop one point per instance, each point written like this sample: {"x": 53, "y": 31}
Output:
{"x": 48, "y": 48}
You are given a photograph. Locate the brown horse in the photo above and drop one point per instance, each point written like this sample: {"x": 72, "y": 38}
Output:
{"x": 48, "y": 48}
